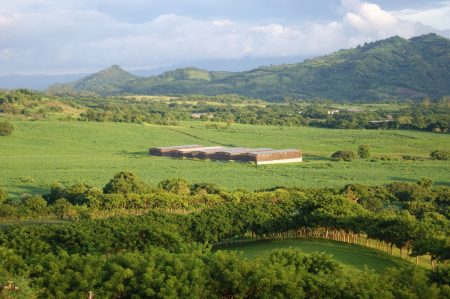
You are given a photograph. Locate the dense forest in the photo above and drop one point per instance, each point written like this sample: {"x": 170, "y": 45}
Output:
{"x": 390, "y": 69}
{"x": 107, "y": 241}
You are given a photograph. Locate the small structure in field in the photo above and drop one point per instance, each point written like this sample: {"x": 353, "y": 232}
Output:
{"x": 187, "y": 152}
{"x": 332, "y": 112}
{"x": 241, "y": 154}
{"x": 166, "y": 151}
{"x": 275, "y": 156}
{"x": 229, "y": 153}
{"x": 205, "y": 153}
{"x": 246, "y": 157}
{"x": 202, "y": 115}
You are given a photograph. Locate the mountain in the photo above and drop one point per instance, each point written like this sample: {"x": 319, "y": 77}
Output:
{"x": 107, "y": 81}
{"x": 394, "y": 68}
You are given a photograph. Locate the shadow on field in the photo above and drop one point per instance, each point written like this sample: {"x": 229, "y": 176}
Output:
{"x": 399, "y": 179}
{"x": 442, "y": 183}
{"x": 408, "y": 180}
{"x": 309, "y": 157}
{"x": 28, "y": 190}
{"x": 139, "y": 154}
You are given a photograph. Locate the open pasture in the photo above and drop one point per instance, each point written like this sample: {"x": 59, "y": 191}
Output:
{"x": 350, "y": 256}
{"x": 41, "y": 152}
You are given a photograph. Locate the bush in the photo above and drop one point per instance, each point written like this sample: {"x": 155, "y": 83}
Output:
{"x": 364, "y": 151}
{"x": 177, "y": 186}
{"x": 126, "y": 182}
{"x": 344, "y": 155}
{"x": 207, "y": 188}
{"x": 6, "y": 128}
{"x": 412, "y": 158}
{"x": 440, "y": 155}
{"x": 3, "y": 195}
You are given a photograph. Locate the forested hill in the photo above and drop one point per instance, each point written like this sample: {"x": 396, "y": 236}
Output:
{"x": 394, "y": 68}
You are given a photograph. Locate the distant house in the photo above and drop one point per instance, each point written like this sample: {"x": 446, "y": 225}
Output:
{"x": 199, "y": 115}
{"x": 355, "y": 109}
{"x": 331, "y": 112}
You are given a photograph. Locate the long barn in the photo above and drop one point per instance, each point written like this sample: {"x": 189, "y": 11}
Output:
{"x": 258, "y": 156}
{"x": 166, "y": 151}
{"x": 275, "y": 156}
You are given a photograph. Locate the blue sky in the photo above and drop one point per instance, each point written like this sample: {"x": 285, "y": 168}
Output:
{"x": 72, "y": 36}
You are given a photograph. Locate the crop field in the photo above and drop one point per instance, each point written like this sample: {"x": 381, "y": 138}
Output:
{"x": 42, "y": 152}
{"x": 350, "y": 256}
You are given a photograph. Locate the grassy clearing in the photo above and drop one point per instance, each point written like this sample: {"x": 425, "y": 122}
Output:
{"x": 350, "y": 256}
{"x": 41, "y": 152}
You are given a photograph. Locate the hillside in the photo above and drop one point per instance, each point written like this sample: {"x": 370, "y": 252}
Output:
{"x": 394, "y": 68}
{"x": 107, "y": 81}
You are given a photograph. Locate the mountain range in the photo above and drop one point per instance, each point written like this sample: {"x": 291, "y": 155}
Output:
{"x": 393, "y": 68}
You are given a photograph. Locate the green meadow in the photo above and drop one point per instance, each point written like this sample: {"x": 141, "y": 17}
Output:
{"x": 41, "y": 152}
{"x": 350, "y": 256}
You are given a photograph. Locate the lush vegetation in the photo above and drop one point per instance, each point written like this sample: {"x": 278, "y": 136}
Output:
{"x": 234, "y": 109}
{"x": 440, "y": 155}
{"x": 26, "y": 104}
{"x": 425, "y": 115}
{"x": 364, "y": 151}
{"x": 6, "y": 128}
{"x": 394, "y": 68}
{"x": 351, "y": 256}
{"x": 343, "y": 155}
{"x": 42, "y": 152}
{"x": 166, "y": 254}
{"x": 68, "y": 232}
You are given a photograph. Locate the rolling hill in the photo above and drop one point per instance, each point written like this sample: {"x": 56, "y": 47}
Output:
{"x": 394, "y": 68}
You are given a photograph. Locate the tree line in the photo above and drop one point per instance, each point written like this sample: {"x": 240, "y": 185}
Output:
{"x": 112, "y": 256}
{"x": 426, "y": 115}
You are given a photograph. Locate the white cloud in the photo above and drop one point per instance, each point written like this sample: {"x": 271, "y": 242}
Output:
{"x": 372, "y": 21}
{"x": 437, "y": 17}
{"x": 61, "y": 36}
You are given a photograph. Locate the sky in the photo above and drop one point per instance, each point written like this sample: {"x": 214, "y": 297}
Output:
{"x": 80, "y": 36}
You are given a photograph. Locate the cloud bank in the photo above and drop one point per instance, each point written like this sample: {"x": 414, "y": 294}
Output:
{"x": 69, "y": 36}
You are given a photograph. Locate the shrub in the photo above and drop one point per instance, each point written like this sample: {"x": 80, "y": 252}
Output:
{"x": 126, "y": 182}
{"x": 412, "y": 158}
{"x": 6, "y": 128}
{"x": 364, "y": 151}
{"x": 207, "y": 188}
{"x": 3, "y": 195}
{"x": 344, "y": 155}
{"x": 440, "y": 155}
{"x": 177, "y": 186}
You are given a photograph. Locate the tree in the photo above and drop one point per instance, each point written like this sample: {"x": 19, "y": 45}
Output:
{"x": 425, "y": 183}
{"x": 34, "y": 205}
{"x": 364, "y": 151}
{"x": 6, "y": 128}
{"x": 64, "y": 209}
{"x": 440, "y": 155}
{"x": 3, "y": 195}
{"x": 126, "y": 182}
{"x": 177, "y": 186}
{"x": 344, "y": 155}
{"x": 441, "y": 274}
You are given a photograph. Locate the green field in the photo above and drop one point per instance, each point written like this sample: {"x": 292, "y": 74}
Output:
{"x": 41, "y": 152}
{"x": 350, "y": 256}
